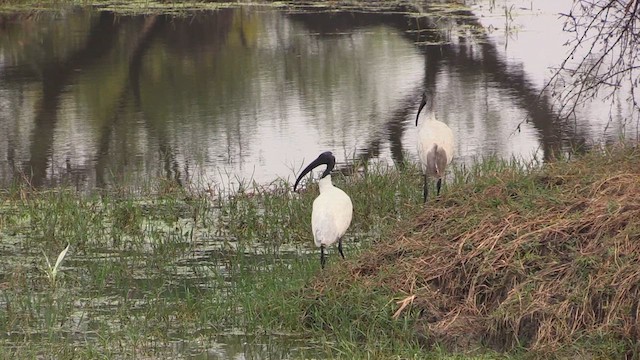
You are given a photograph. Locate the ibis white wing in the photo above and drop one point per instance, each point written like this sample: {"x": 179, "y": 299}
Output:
{"x": 331, "y": 216}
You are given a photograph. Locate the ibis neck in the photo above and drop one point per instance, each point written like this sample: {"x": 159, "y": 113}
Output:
{"x": 325, "y": 183}
{"x": 429, "y": 115}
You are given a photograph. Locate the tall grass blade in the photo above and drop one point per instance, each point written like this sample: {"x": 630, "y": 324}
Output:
{"x": 52, "y": 271}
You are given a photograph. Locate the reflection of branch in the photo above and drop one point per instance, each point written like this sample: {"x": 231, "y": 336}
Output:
{"x": 394, "y": 129}
{"x": 537, "y": 107}
{"x": 539, "y": 111}
{"x": 140, "y": 45}
{"x": 167, "y": 153}
{"x": 55, "y": 78}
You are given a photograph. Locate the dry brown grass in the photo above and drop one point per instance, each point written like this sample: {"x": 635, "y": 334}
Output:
{"x": 535, "y": 260}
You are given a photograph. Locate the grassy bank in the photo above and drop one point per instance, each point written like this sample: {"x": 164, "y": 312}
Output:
{"x": 535, "y": 262}
{"x": 512, "y": 260}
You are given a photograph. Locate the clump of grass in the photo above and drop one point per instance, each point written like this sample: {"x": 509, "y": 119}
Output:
{"x": 511, "y": 257}
{"x": 52, "y": 271}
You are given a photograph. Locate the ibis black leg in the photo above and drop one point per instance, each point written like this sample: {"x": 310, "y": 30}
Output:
{"x": 439, "y": 184}
{"x": 425, "y": 189}
{"x": 322, "y": 260}
{"x": 340, "y": 247}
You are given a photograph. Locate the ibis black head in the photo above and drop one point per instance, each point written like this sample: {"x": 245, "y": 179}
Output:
{"x": 326, "y": 158}
{"x": 426, "y": 98}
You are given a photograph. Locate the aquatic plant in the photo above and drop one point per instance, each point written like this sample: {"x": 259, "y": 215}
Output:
{"x": 52, "y": 271}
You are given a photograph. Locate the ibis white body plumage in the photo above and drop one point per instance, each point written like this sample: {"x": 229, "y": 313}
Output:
{"x": 332, "y": 209}
{"x": 435, "y": 146}
{"x": 331, "y": 215}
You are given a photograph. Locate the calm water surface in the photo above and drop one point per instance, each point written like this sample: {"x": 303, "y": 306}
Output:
{"x": 92, "y": 98}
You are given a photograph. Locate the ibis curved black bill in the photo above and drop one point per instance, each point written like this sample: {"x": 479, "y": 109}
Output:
{"x": 422, "y": 104}
{"x": 326, "y": 158}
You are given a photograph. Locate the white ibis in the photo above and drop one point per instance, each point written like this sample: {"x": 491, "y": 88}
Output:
{"x": 332, "y": 209}
{"x": 435, "y": 145}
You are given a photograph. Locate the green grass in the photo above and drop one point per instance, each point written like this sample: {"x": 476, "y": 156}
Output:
{"x": 161, "y": 263}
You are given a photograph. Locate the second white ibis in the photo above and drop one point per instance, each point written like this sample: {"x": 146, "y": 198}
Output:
{"x": 435, "y": 145}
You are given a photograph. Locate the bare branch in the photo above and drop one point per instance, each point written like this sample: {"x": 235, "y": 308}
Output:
{"x": 604, "y": 55}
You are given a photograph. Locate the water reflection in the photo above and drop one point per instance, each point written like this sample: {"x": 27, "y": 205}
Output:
{"x": 92, "y": 99}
